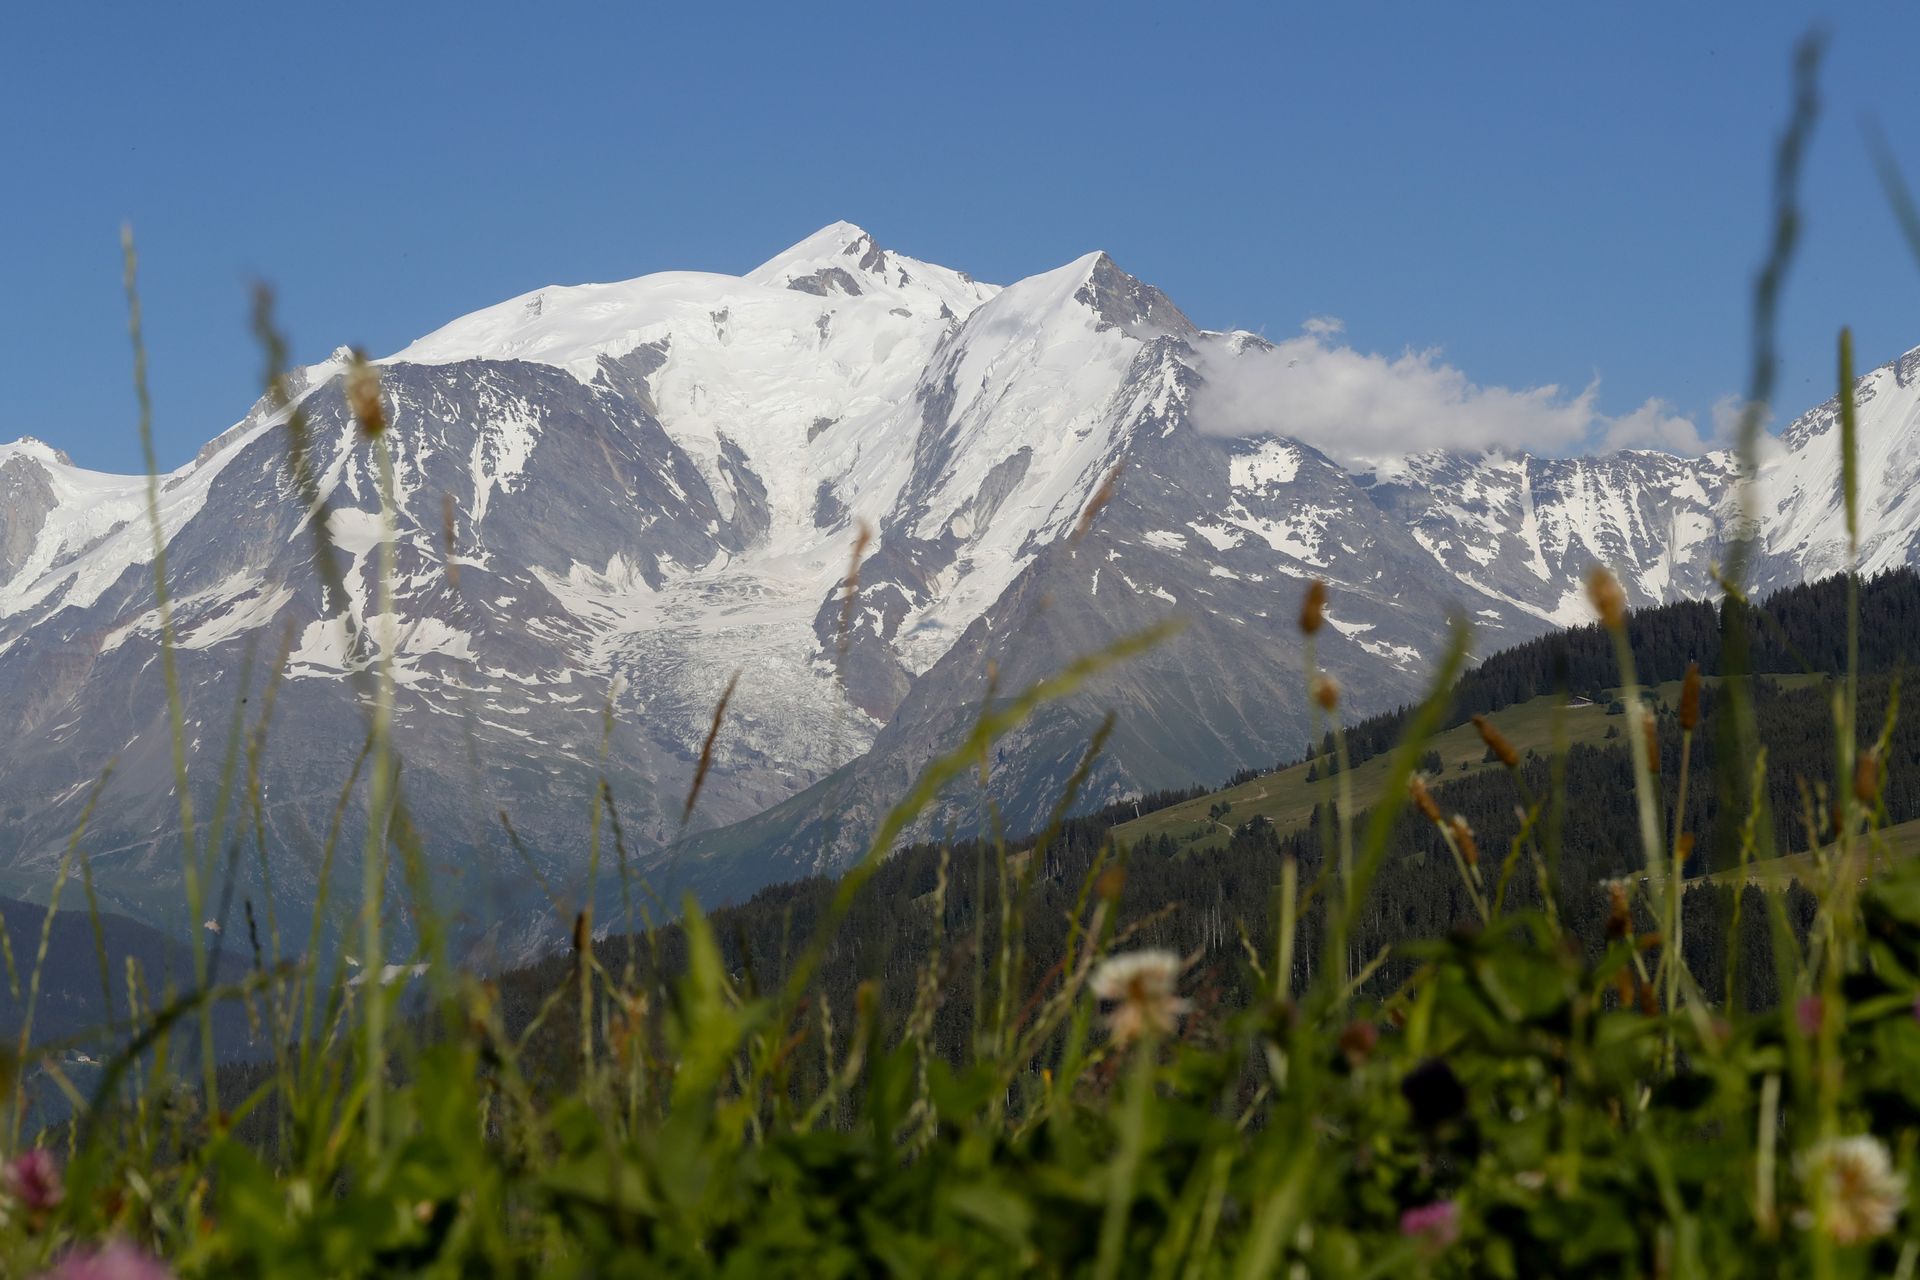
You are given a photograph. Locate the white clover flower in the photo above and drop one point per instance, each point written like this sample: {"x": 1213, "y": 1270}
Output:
{"x": 1141, "y": 986}
{"x": 1864, "y": 1194}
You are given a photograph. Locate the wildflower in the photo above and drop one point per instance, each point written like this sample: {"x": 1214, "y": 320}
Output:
{"x": 1497, "y": 743}
{"x": 1808, "y": 1013}
{"x": 118, "y": 1261}
{"x": 1434, "y": 1093}
{"x": 33, "y": 1179}
{"x": 1609, "y": 601}
{"x": 1463, "y": 837}
{"x": 1436, "y": 1224}
{"x": 1423, "y": 799}
{"x": 363, "y": 397}
{"x": 1140, "y": 986}
{"x": 1855, "y": 1178}
{"x": 1326, "y": 692}
{"x": 1313, "y": 607}
{"x": 1690, "y": 698}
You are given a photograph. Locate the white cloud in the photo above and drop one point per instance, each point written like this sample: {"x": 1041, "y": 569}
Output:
{"x": 1726, "y": 414}
{"x": 1654, "y": 425}
{"x": 1363, "y": 408}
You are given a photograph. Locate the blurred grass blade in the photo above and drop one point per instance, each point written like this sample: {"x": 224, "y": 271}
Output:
{"x": 190, "y": 855}
{"x": 1894, "y": 184}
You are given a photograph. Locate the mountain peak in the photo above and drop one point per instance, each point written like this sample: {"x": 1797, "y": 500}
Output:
{"x": 1093, "y": 283}
{"x": 837, "y": 247}
{"x": 1126, "y": 302}
{"x": 842, "y": 260}
{"x": 34, "y": 447}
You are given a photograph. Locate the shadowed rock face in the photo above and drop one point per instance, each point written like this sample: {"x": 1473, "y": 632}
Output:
{"x": 826, "y": 281}
{"x": 1122, "y": 302}
{"x": 26, "y": 496}
{"x": 612, "y": 500}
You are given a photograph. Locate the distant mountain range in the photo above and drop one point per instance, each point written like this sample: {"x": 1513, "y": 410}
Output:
{"x": 656, "y": 484}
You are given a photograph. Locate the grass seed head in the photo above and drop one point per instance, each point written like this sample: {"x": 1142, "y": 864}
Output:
{"x": 1357, "y": 1042}
{"x": 1313, "y": 607}
{"x": 1101, "y": 497}
{"x": 1423, "y": 799}
{"x": 1866, "y": 778}
{"x": 1619, "y": 909}
{"x": 1463, "y": 836}
{"x": 1497, "y": 742}
{"x": 1609, "y": 601}
{"x": 706, "y": 748}
{"x": 363, "y": 397}
{"x": 1690, "y": 698}
{"x": 1326, "y": 692}
{"x": 449, "y": 527}
{"x": 850, "y": 587}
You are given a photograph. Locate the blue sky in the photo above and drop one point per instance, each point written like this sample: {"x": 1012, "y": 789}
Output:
{"x": 1548, "y": 194}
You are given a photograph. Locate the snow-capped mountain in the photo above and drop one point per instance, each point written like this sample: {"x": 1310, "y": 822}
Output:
{"x": 612, "y": 498}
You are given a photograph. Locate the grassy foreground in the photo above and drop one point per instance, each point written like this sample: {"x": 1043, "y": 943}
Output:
{"x": 1512, "y": 1109}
